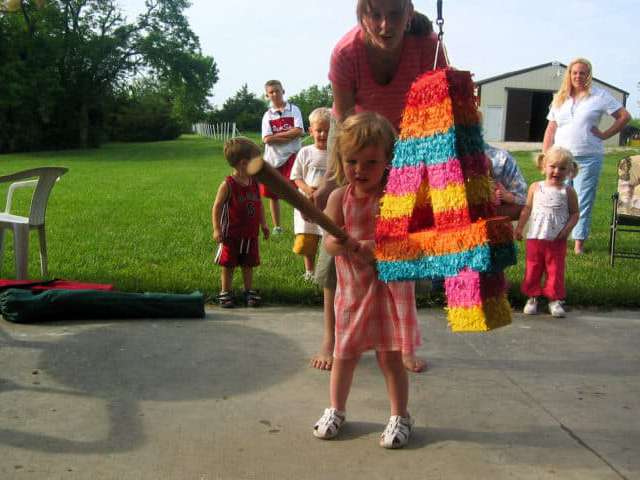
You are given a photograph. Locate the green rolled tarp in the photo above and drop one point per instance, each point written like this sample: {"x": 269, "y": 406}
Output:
{"x": 23, "y": 306}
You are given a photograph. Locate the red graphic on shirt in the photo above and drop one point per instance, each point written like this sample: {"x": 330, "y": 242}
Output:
{"x": 281, "y": 124}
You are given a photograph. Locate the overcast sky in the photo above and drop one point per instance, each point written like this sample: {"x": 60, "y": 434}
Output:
{"x": 291, "y": 40}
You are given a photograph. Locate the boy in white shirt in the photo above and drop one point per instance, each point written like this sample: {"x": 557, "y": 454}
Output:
{"x": 282, "y": 127}
{"x": 308, "y": 171}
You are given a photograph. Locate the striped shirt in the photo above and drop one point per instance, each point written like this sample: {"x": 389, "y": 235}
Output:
{"x": 370, "y": 314}
{"x": 350, "y": 70}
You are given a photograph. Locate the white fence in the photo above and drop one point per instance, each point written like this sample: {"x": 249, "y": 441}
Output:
{"x": 218, "y": 131}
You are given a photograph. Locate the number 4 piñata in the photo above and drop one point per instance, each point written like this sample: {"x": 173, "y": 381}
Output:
{"x": 437, "y": 218}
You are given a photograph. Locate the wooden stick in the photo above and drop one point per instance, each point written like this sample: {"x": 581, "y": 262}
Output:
{"x": 282, "y": 187}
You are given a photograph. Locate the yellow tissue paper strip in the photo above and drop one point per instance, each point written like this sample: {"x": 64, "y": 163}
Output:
{"x": 493, "y": 313}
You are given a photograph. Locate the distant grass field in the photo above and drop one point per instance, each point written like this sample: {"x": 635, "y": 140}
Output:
{"x": 139, "y": 216}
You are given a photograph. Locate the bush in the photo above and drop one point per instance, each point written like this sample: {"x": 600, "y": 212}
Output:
{"x": 145, "y": 119}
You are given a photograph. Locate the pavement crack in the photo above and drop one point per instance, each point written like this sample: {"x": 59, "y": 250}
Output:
{"x": 585, "y": 445}
{"x": 576, "y": 438}
{"x": 566, "y": 429}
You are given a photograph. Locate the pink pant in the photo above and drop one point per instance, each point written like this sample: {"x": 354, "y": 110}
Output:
{"x": 545, "y": 256}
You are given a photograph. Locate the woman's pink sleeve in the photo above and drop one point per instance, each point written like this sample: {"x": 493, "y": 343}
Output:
{"x": 341, "y": 70}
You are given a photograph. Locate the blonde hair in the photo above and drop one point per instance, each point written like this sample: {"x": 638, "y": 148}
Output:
{"x": 240, "y": 148}
{"x": 357, "y": 132}
{"x": 321, "y": 114}
{"x": 563, "y": 155}
{"x": 566, "y": 89}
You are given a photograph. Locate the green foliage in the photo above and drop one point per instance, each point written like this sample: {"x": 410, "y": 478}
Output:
{"x": 61, "y": 64}
{"x": 244, "y": 108}
{"x": 311, "y": 98}
{"x": 143, "y": 113}
{"x": 139, "y": 216}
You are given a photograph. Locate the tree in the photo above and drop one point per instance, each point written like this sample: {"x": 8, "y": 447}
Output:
{"x": 143, "y": 112}
{"x": 244, "y": 108}
{"x": 312, "y": 98}
{"x": 61, "y": 64}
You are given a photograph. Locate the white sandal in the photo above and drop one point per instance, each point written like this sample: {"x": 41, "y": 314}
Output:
{"x": 397, "y": 433}
{"x": 329, "y": 424}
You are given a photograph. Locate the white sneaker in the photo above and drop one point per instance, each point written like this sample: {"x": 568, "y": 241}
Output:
{"x": 556, "y": 310}
{"x": 309, "y": 276}
{"x": 277, "y": 231}
{"x": 531, "y": 307}
{"x": 329, "y": 424}
{"x": 397, "y": 433}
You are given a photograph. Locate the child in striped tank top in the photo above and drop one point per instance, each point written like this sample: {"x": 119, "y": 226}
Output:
{"x": 552, "y": 212}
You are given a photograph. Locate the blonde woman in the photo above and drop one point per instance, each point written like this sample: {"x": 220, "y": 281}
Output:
{"x": 574, "y": 117}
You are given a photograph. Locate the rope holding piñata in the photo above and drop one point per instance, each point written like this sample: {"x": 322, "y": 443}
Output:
{"x": 436, "y": 217}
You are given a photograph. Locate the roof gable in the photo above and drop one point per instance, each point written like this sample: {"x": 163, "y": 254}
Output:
{"x": 537, "y": 67}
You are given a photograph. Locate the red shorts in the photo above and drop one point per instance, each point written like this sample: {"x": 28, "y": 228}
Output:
{"x": 238, "y": 252}
{"x": 285, "y": 171}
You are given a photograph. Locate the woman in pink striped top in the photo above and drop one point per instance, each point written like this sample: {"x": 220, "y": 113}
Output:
{"x": 372, "y": 69}
{"x": 374, "y": 64}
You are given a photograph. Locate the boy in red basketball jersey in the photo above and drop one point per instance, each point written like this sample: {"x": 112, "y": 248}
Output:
{"x": 237, "y": 217}
{"x": 282, "y": 128}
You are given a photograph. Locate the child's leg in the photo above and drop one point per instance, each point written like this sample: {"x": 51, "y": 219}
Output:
{"x": 274, "y": 203}
{"x": 247, "y": 277}
{"x": 534, "y": 268}
{"x": 326, "y": 277}
{"x": 341, "y": 379}
{"x": 555, "y": 257}
{"x": 226, "y": 278}
{"x": 323, "y": 360}
{"x": 309, "y": 263}
{"x": 413, "y": 363}
{"x": 395, "y": 376}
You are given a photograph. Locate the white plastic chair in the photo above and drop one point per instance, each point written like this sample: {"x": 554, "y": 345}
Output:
{"x": 42, "y": 180}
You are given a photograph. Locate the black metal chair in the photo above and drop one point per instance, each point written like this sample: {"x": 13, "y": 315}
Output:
{"x": 625, "y": 216}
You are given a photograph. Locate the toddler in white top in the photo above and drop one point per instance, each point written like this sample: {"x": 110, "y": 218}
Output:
{"x": 552, "y": 212}
{"x": 308, "y": 171}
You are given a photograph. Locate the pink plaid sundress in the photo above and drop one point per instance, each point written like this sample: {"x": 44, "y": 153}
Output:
{"x": 370, "y": 314}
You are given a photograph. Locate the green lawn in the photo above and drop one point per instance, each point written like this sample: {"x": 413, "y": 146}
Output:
{"x": 138, "y": 216}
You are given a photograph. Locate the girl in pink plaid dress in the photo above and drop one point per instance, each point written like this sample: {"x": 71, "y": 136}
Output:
{"x": 370, "y": 314}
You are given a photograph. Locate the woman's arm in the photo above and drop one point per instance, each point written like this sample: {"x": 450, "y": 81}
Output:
{"x": 621, "y": 117}
{"x": 549, "y": 136}
{"x": 344, "y": 101}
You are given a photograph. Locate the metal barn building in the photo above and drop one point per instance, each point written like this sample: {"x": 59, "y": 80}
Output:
{"x": 515, "y": 105}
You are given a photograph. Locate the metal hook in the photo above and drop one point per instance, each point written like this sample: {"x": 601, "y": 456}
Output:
{"x": 440, "y": 21}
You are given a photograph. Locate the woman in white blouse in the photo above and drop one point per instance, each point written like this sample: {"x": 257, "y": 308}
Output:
{"x": 574, "y": 118}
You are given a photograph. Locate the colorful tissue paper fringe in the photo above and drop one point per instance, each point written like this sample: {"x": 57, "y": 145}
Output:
{"x": 436, "y": 217}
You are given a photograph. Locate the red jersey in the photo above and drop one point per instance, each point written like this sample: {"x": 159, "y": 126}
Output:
{"x": 241, "y": 211}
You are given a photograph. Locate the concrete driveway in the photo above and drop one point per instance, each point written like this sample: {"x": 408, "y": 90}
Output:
{"x": 231, "y": 397}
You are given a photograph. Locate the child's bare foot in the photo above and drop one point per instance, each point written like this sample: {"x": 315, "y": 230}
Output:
{"x": 322, "y": 361}
{"x": 414, "y": 364}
